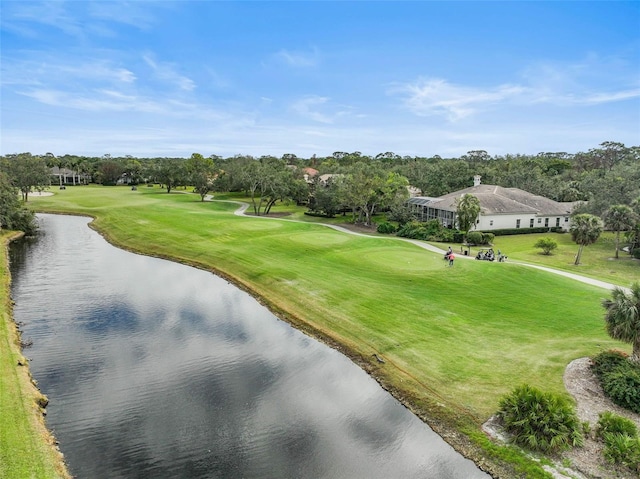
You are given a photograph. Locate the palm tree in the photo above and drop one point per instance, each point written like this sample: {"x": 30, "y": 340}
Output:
{"x": 623, "y": 317}
{"x": 585, "y": 230}
{"x": 467, "y": 211}
{"x": 619, "y": 218}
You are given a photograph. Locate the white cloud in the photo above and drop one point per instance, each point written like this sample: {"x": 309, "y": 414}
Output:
{"x": 128, "y": 13}
{"x": 96, "y": 100}
{"x": 591, "y": 81}
{"x": 438, "y": 97}
{"x": 53, "y": 14}
{"x": 308, "y": 108}
{"x": 611, "y": 97}
{"x": 166, "y": 72}
{"x": 298, "y": 58}
{"x": 47, "y": 70}
{"x": 571, "y": 85}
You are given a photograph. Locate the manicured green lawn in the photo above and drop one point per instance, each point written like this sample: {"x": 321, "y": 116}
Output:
{"x": 24, "y": 448}
{"x": 598, "y": 260}
{"x": 453, "y": 340}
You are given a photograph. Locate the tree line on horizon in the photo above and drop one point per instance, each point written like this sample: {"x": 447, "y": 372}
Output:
{"x": 600, "y": 178}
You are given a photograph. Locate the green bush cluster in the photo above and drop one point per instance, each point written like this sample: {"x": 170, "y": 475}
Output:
{"x": 540, "y": 421}
{"x": 524, "y": 231}
{"x": 612, "y": 423}
{"x": 636, "y": 253}
{"x": 621, "y": 440}
{"x": 620, "y": 379}
{"x": 429, "y": 231}
{"x": 480, "y": 238}
{"x": 547, "y": 244}
{"x": 386, "y": 228}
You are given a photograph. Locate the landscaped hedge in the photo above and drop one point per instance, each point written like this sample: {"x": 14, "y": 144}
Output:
{"x": 386, "y": 228}
{"x": 432, "y": 230}
{"x": 429, "y": 231}
{"x": 525, "y": 231}
{"x": 619, "y": 378}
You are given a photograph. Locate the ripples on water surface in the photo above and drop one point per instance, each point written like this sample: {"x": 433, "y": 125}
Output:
{"x": 159, "y": 370}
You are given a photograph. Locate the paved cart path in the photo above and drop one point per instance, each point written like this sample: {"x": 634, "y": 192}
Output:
{"x": 594, "y": 282}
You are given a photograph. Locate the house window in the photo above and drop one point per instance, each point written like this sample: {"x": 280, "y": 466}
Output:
{"x": 518, "y": 223}
{"x": 490, "y": 222}
{"x": 546, "y": 222}
{"x": 539, "y": 220}
{"x": 566, "y": 219}
{"x": 531, "y": 223}
{"x": 557, "y": 222}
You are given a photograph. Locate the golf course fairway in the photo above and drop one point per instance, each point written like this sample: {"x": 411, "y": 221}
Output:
{"x": 448, "y": 342}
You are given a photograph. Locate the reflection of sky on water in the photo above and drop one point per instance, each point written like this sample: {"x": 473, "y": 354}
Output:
{"x": 155, "y": 369}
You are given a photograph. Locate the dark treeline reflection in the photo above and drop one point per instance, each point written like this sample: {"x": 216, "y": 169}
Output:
{"x": 159, "y": 370}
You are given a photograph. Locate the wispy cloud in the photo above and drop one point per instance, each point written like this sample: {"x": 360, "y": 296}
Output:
{"x": 135, "y": 14}
{"x": 166, "y": 72}
{"x": 52, "y": 14}
{"x": 598, "y": 98}
{"x": 49, "y": 70}
{"x": 319, "y": 109}
{"x": 438, "y": 97}
{"x": 94, "y": 101}
{"x": 591, "y": 81}
{"x": 301, "y": 59}
{"x": 77, "y": 19}
{"x": 577, "y": 84}
{"x": 308, "y": 108}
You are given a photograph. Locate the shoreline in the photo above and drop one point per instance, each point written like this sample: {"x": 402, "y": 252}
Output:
{"x": 33, "y": 401}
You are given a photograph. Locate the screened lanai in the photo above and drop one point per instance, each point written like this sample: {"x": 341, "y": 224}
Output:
{"x": 426, "y": 208}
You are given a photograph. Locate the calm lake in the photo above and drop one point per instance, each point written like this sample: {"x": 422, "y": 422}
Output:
{"x": 159, "y": 370}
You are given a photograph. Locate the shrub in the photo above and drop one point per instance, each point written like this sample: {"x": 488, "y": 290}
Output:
{"x": 623, "y": 387}
{"x": 487, "y": 238}
{"x": 428, "y": 231}
{"x": 540, "y": 421}
{"x": 474, "y": 237}
{"x": 546, "y": 244}
{"x": 386, "y": 228}
{"x": 449, "y": 236}
{"x": 607, "y": 361}
{"x": 620, "y": 379}
{"x": 622, "y": 449}
{"x": 636, "y": 253}
{"x": 413, "y": 229}
{"x": 611, "y": 423}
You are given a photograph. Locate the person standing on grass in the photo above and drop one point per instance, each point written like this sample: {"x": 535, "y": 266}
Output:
{"x": 451, "y": 258}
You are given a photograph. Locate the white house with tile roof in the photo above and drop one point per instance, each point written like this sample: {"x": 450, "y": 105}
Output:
{"x": 500, "y": 208}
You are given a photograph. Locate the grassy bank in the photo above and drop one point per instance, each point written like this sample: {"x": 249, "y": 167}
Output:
{"x": 26, "y": 447}
{"x": 453, "y": 340}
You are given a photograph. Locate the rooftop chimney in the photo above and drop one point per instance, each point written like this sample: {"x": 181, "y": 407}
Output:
{"x": 476, "y": 180}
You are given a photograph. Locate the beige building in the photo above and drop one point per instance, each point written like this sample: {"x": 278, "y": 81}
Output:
{"x": 500, "y": 208}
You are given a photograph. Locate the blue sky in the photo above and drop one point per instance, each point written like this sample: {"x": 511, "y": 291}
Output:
{"x": 171, "y": 78}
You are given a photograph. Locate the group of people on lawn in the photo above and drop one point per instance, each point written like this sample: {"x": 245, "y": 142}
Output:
{"x": 449, "y": 256}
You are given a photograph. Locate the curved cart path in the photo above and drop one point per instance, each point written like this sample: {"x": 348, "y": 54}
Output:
{"x": 594, "y": 282}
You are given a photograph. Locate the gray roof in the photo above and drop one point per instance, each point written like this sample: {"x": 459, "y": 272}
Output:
{"x": 495, "y": 200}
